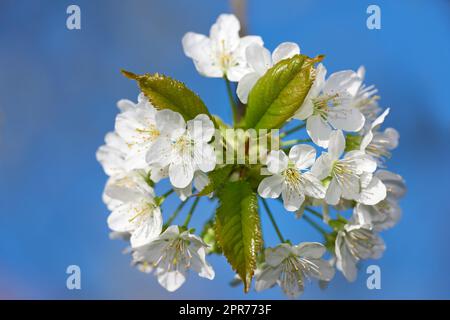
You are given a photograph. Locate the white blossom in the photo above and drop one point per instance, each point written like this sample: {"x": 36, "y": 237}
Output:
{"x": 329, "y": 105}
{"x": 345, "y": 173}
{"x": 172, "y": 254}
{"x": 223, "y": 53}
{"x": 385, "y": 214}
{"x": 356, "y": 242}
{"x": 182, "y": 147}
{"x": 377, "y": 143}
{"x": 290, "y": 178}
{"x": 260, "y": 60}
{"x": 136, "y": 125}
{"x": 289, "y": 266}
{"x": 137, "y": 212}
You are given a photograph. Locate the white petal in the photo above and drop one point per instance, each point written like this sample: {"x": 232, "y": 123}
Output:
{"x": 322, "y": 167}
{"x": 160, "y": 153}
{"x": 313, "y": 250}
{"x": 373, "y": 193}
{"x": 394, "y": 183}
{"x": 204, "y": 157}
{"x": 245, "y": 85}
{"x": 313, "y": 186}
{"x": 336, "y": 146}
{"x": 170, "y": 123}
{"x": 201, "y": 128}
{"x": 267, "y": 278}
{"x": 270, "y": 187}
{"x": 172, "y": 280}
{"x": 125, "y": 105}
{"x": 118, "y": 220}
{"x": 380, "y": 119}
{"x": 322, "y": 270}
{"x": 184, "y": 193}
{"x": 292, "y": 199}
{"x": 199, "y": 48}
{"x": 346, "y": 118}
{"x": 148, "y": 229}
{"x": 199, "y": 264}
{"x": 225, "y": 32}
{"x": 201, "y": 180}
{"x": 302, "y": 155}
{"x": 277, "y": 161}
{"x": 258, "y": 58}
{"x": 284, "y": 51}
{"x": 346, "y": 262}
{"x": 274, "y": 256}
{"x": 334, "y": 192}
{"x": 181, "y": 173}
{"x": 343, "y": 82}
{"x": 318, "y": 130}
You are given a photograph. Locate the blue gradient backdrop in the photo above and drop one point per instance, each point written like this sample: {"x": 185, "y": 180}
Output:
{"x": 58, "y": 90}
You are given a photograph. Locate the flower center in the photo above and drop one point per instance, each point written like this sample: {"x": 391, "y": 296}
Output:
{"x": 141, "y": 211}
{"x": 322, "y": 104}
{"x": 183, "y": 145}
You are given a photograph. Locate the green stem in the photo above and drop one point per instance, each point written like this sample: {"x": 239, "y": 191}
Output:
{"x": 314, "y": 212}
{"x": 175, "y": 214}
{"x": 294, "y": 141}
{"x": 272, "y": 219}
{"x": 191, "y": 211}
{"x": 294, "y": 129}
{"x": 160, "y": 200}
{"x": 232, "y": 101}
{"x": 315, "y": 225}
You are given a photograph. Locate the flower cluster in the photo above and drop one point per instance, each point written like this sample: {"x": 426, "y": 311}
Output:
{"x": 332, "y": 175}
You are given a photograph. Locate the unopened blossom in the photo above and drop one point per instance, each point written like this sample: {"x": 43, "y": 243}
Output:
{"x": 137, "y": 213}
{"x": 356, "y": 242}
{"x": 345, "y": 173}
{"x": 290, "y": 177}
{"x": 222, "y": 54}
{"x": 329, "y": 105}
{"x": 182, "y": 147}
{"x": 386, "y": 213}
{"x": 290, "y": 265}
{"x": 137, "y": 127}
{"x": 173, "y": 254}
{"x": 377, "y": 143}
{"x": 260, "y": 60}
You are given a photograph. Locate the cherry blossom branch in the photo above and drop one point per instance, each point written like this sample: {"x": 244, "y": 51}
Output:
{"x": 191, "y": 211}
{"x": 232, "y": 101}
{"x": 315, "y": 225}
{"x": 294, "y": 129}
{"x": 272, "y": 219}
{"x": 175, "y": 214}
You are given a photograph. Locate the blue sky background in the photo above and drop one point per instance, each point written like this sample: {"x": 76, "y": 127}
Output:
{"x": 58, "y": 90}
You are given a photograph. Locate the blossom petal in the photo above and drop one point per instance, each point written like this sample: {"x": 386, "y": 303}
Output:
{"x": 245, "y": 85}
{"x": 170, "y": 123}
{"x": 346, "y": 118}
{"x": 373, "y": 193}
{"x": 346, "y": 262}
{"x": 312, "y": 250}
{"x": 274, "y": 256}
{"x": 302, "y": 155}
{"x": 284, "y": 51}
{"x": 318, "y": 130}
{"x": 334, "y": 192}
{"x": 322, "y": 167}
{"x": 336, "y": 145}
{"x": 292, "y": 199}
{"x": 277, "y": 161}
{"x": 160, "y": 152}
{"x": 181, "y": 173}
{"x": 148, "y": 229}
{"x": 201, "y": 128}
{"x": 313, "y": 186}
{"x": 118, "y": 220}
{"x": 204, "y": 157}
{"x": 267, "y": 278}
{"x": 271, "y": 187}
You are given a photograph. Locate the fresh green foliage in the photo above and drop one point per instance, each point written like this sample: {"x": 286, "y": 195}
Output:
{"x": 278, "y": 94}
{"x": 167, "y": 93}
{"x": 238, "y": 228}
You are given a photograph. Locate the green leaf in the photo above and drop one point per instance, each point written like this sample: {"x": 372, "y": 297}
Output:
{"x": 278, "y": 94}
{"x": 238, "y": 228}
{"x": 217, "y": 179}
{"x": 167, "y": 93}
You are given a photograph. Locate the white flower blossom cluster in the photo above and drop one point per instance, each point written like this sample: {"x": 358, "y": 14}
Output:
{"x": 347, "y": 181}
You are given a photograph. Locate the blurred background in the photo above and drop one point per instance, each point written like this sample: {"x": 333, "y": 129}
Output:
{"x": 59, "y": 87}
